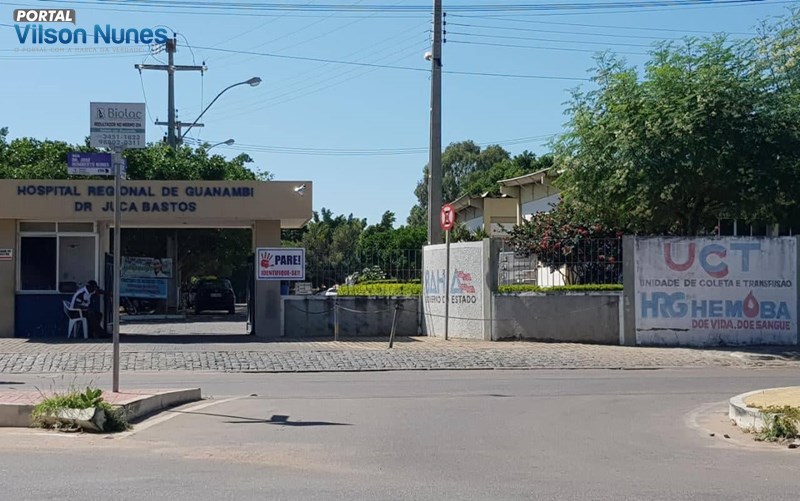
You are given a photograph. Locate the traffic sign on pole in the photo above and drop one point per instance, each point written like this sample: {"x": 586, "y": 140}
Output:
{"x": 448, "y": 217}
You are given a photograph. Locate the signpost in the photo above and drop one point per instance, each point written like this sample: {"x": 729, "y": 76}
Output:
{"x": 447, "y": 219}
{"x": 117, "y": 126}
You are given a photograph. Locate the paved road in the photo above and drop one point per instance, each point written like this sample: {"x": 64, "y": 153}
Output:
{"x": 245, "y": 354}
{"x": 474, "y": 435}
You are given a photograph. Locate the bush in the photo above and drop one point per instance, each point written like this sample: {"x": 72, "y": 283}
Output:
{"x": 51, "y": 406}
{"x": 383, "y": 288}
{"x": 514, "y": 289}
{"x": 780, "y": 423}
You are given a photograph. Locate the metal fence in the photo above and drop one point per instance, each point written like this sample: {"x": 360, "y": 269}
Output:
{"x": 595, "y": 261}
{"x": 403, "y": 265}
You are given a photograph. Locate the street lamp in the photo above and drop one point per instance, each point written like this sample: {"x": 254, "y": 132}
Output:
{"x": 229, "y": 142}
{"x": 252, "y": 83}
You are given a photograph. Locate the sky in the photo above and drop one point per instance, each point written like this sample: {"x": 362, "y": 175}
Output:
{"x": 360, "y": 131}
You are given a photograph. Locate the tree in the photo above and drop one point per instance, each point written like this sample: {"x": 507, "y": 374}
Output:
{"x": 711, "y": 130}
{"x": 201, "y": 251}
{"x": 584, "y": 251}
{"x": 466, "y": 169}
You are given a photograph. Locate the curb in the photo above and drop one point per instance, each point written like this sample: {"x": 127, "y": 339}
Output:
{"x": 19, "y": 415}
{"x": 748, "y": 418}
{"x": 152, "y": 404}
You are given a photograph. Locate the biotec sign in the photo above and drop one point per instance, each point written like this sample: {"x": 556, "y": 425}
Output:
{"x": 28, "y": 34}
{"x": 702, "y": 291}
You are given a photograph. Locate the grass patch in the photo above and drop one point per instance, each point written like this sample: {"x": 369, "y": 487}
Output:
{"x": 381, "y": 289}
{"x": 92, "y": 397}
{"x": 780, "y": 423}
{"x": 517, "y": 288}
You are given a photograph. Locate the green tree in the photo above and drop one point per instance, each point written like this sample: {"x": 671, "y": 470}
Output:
{"x": 469, "y": 170}
{"x": 201, "y": 251}
{"x": 710, "y": 130}
{"x": 583, "y": 250}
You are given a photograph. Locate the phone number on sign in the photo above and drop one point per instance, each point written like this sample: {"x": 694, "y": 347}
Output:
{"x": 115, "y": 139}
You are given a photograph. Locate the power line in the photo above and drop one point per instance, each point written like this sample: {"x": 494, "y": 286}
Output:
{"x": 561, "y": 32}
{"x": 365, "y": 8}
{"x": 534, "y": 39}
{"x": 566, "y": 49}
{"x": 322, "y": 74}
{"x": 292, "y": 150}
{"x": 609, "y": 26}
{"x": 391, "y": 67}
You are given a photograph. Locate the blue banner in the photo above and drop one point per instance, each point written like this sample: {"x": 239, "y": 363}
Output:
{"x": 149, "y": 288}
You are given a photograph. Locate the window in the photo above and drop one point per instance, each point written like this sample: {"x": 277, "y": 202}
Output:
{"x": 54, "y": 257}
{"x": 38, "y": 263}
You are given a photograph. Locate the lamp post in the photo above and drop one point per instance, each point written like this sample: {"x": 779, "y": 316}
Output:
{"x": 253, "y": 82}
{"x": 229, "y": 142}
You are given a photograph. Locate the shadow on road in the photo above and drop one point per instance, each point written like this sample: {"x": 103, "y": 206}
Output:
{"x": 278, "y": 419}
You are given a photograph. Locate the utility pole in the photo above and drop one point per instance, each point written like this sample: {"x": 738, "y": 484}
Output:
{"x": 435, "y": 158}
{"x": 171, "y": 68}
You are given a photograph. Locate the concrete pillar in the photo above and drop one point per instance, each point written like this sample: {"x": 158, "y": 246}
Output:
{"x": 172, "y": 283}
{"x": 103, "y": 248}
{"x": 628, "y": 293}
{"x": 267, "y": 292}
{"x": 8, "y": 277}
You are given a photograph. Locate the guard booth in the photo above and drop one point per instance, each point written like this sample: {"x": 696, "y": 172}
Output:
{"x": 54, "y": 236}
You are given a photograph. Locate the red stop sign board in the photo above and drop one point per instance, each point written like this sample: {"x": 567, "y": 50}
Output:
{"x": 448, "y": 217}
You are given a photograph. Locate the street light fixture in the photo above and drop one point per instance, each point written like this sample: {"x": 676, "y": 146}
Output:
{"x": 229, "y": 142}
{"x": 253, "y": 82}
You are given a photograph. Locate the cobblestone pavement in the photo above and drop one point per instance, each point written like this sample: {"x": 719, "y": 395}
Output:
{"x": 242, "y": 354}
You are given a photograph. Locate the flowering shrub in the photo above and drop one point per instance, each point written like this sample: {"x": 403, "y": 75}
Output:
{"x": 583, "y": 250}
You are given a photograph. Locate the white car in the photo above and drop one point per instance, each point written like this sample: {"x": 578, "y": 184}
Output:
{"x": 332, "y": 291}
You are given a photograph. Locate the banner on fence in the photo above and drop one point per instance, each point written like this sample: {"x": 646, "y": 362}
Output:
{"x": 149, "y": 288}
{"x": 146, "y": 267}
{"x": 714, "y": 291}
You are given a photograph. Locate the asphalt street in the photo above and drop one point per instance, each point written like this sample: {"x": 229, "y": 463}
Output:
{"x": 541, "y": 434}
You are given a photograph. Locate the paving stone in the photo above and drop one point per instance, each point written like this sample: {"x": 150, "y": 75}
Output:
{"x": 27, "y": 356}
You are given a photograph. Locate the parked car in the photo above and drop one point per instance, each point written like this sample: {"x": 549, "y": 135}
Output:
{"x": 214, "y": 294}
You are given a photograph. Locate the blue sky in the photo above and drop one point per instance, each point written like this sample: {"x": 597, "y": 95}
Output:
{"x": 360, "y": 133}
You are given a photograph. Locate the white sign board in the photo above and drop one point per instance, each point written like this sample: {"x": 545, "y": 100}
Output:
{"x": 6, "y": 254}
{"x": 117, "y": 125}
{"x": 280, "y": 263}
{"x": 715, "y": 291}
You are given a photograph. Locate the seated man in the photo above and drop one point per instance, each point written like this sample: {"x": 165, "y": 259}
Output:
{"x": 83, "y": 300}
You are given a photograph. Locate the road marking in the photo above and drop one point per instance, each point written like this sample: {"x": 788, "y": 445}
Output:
{"x": 169, "y": 414}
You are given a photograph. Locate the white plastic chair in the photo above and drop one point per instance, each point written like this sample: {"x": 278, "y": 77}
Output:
{"x": 73, "y": 322}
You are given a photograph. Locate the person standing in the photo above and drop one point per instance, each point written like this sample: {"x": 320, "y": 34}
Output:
{"x": 86, "y": 299}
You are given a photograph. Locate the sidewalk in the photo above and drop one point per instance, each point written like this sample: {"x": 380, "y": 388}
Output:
{"x": 244, "y": 354}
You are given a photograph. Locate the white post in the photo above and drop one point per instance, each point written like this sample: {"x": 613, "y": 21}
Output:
{"x": 447, "y": 285}
{"x": 117, "y": 161}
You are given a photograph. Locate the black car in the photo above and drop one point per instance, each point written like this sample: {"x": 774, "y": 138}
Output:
{"x": 214, "y": 294}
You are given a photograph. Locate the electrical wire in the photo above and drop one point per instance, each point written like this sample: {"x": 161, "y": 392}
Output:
{"x": 290, "y": 150}
{"x": 534, "y": 39}
{"x": 533, "y": 47}
{"x": 608, "y": 26}
{"x": 561, "y": 32}
{"x": 386, "y": 66}
{"x": 326, "y": 72}
{"x": 316, "y": 87}
{"x": 584, "y": 6}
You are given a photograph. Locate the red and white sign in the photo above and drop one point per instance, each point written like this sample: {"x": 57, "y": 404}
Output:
{"x": 280, "y": 263}
{"x": 6, "y": 254}
{"x": 448, "y": 217}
